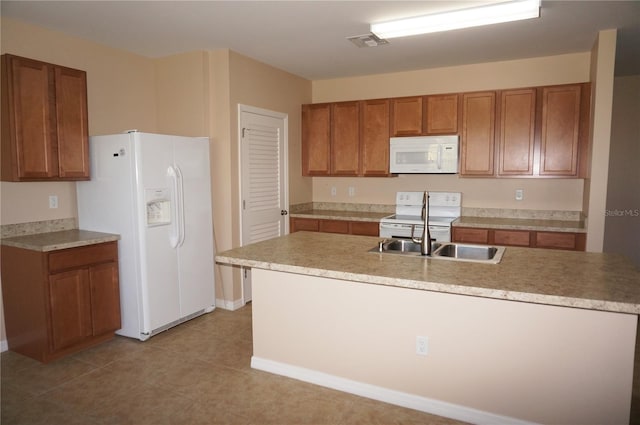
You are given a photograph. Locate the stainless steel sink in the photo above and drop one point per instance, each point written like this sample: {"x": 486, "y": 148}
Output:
{"x": 400, "y": 246}
{"x": 468, "y": 252}
{"x": 445, "y": 251}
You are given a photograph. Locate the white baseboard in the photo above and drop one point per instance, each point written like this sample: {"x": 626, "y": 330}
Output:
{"x": 229, "y": 305}
{"x": 4, "y": 345}
{"x": 411, "y": 401}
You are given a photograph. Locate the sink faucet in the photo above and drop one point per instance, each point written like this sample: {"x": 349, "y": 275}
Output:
{"x": 425, "y": 240}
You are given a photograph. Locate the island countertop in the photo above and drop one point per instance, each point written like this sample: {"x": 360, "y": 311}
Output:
{"x": 595, "y": 281}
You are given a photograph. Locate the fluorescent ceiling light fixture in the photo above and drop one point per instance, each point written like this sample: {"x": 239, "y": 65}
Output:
{"x": 464, "y": 18}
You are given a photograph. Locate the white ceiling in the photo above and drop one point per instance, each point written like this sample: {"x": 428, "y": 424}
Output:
{"x": 308, "y": 38}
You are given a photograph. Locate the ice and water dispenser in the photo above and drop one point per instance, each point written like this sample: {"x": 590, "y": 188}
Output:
{"x": 158, "y": 204}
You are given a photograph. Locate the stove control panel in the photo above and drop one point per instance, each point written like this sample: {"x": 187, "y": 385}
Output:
{"x": 436, "y": 199}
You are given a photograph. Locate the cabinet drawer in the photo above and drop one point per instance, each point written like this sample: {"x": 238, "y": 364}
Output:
{"x": 308, "y": 224}
{"x": 366, "y": 228}
{"x": 334, "y": 226}
{"x": 512, "y": 237}
{"x": 471, "y": 235}
{"x": 82, "y": 256}
{"x": 557, "y": 240}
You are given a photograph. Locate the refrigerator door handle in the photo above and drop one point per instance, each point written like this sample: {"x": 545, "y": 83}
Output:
{"x": 177, "y": 237}
{"x": 180, "y": 206}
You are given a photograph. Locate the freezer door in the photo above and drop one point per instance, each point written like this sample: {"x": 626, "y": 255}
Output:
{"x": 195, "y": 250}
{"x": 159, "y": 260}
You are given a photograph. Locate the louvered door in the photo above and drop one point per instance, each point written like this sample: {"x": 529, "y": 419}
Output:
{"x": 263, "y": 205}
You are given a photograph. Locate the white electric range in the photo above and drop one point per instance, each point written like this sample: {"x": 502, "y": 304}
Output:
{"x": 444, "y": 209}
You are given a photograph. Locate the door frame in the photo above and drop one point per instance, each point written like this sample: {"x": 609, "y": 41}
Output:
{"x": 245, "y": 275}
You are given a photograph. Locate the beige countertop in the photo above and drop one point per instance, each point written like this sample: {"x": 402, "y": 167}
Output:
{"x": 606, "y": 282}
{"x": 52, "y": 241}
{"x": 538, "y": 224}
{"x": 521, "y": 224}
{"x": 341, "y": 215}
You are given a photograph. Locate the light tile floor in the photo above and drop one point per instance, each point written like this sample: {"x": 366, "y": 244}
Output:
{"x": 196, "y": 373}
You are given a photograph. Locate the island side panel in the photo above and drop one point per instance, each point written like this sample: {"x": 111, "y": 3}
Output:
{"x": 533, "y": 362}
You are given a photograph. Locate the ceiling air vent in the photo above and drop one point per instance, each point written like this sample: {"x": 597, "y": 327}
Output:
{"x": 367, "y": 40}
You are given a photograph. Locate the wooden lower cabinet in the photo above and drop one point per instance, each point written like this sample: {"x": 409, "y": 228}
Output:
{"x": 524, "y": 238}
{"x": 366, "y": 228}
{"x": 59, "y": 302}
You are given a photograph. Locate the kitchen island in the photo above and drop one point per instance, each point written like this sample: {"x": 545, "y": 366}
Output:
{"x": 542, "y": 337}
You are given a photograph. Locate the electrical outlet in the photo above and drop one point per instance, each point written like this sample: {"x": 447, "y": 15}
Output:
{"x": 422, "y": 345}
{"x": 53, "y": 201}
{"x": 334, "y": 191}
{"x": 352, "y": 191}
{"x": 519, "y": 194}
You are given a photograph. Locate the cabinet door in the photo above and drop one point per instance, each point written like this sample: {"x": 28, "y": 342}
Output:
{"x": 406, "y": 113}
{"x": 345, "y": 138}
{"x": 478, "y": 134}
{"x": 374, "y": 145}
{"x": 517, "y": 130}
{"x": 72, "y": 131}
{"x": 28, "y": 120}
{"x": 560, "y": 130}
{"x": 105, "y": 298}
{"x": 70, "y": 307}
{"x": 441, "y": 114}
{"x": 316, "y": 139}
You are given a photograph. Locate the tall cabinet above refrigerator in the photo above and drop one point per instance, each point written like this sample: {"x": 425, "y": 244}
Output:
{"x": 155, "y": 191}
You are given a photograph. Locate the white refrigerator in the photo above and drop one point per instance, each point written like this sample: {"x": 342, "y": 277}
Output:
{"x": 155, "y": 192}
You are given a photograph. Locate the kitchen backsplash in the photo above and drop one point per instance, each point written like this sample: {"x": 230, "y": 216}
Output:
{"x": 524, "y": 214}
{"x": 21, "y": 229}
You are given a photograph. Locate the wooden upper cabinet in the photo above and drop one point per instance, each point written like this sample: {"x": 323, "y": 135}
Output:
{"x": 441, "y": 114}
{"x": 44, "y": 121}
{"x": 406, "y": 116}
{"x": 345, "y": 138}
{"x": 560, "y": 130}
{"x": 316, "y": 139}
{"x": 72, "y": 128}
{"x": 478, "y": 134}
{"x": 517, "y": 132}
{"x": 374, "y": 130}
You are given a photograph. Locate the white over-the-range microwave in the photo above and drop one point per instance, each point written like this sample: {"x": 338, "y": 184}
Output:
{"x": 424, "y": 155}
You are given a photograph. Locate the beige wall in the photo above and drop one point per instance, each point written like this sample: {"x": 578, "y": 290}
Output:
{"x": 602, "y": 73}
{"x": 495, "y": 356}
{"x": 539, "y": 194}
{"x": 191, "y": 94}
{"x": 253, "y": 83}
{"x": 121, "y": 96}
{"x": 622, "y": 223}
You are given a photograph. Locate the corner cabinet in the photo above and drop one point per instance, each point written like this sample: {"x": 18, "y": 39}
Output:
{"x": 59, "y": 302}
{"x": 44, "y": 121}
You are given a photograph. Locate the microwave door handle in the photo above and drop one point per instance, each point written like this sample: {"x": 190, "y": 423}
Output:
{"x": 439, "y": 157}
